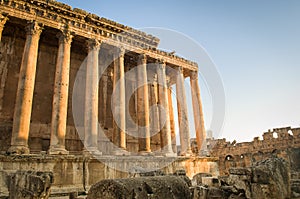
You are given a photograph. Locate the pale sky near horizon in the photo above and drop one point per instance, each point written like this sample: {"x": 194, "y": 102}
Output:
{"x": 254, "y": 44}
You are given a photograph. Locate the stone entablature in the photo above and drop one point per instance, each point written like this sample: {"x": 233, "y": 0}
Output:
{"x": 61, "y": 16}
{"x": 76, "y": 18}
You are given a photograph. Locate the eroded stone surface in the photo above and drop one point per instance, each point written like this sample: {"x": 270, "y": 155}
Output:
{"x": 168, "y": 187}
{"x": 267, "y": 179}
{"x": 30, "y": 185}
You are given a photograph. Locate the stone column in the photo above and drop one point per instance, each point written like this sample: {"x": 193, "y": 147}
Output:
{"x": 3, "y": 20}
{"x": 4, "y": 67}
{"x": 172, "y": 123}
{"x": 143, "y": 106}
{"x": 23, "y": 104}
{"x": 182, "y": 115}
{"x": 198, "y": 112}
{"x": 119, "y": 135}
{"x": 164, "y": 114}
{"x": 60, "y": 97}
{"x": 154, "y": 115}
{"x": 91, "y": 99}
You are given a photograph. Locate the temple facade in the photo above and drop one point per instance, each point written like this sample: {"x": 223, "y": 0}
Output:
{"x": 126, "y": 83}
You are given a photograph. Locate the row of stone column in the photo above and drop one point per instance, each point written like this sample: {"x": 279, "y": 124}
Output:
{"x": 23, "y": 106}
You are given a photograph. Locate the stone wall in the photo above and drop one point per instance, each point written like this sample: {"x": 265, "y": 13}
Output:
{"x": 281, "y": 142}
{"x": 77, "y": 173}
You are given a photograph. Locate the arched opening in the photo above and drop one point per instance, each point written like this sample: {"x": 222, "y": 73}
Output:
{"x": 229, "y": 158}
{"x": 275, "y": 135}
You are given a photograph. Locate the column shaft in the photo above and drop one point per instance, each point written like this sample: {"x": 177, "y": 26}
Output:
{"x": 143, "y": 106}
{"x": 91, "y": 98}
{"x": 3, "y": 20}
{"x": 23, "y": 105}
{"x": 182, "y": 114}
{"x": 4, "y": 71}
{"x": 172, "y": 123}
{"x": 154, "y": 115}
{"x": 119, "y": 136}
{"x": 60, "y": 97}
{"x": 164, "y": 114}
{"x": 198, "y": 112}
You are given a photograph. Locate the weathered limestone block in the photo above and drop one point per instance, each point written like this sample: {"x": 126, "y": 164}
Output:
{"x": 210, "y": 181}
{"x": 272, "y": 177}
{"x": 216, "y": 193}
{"x": 197, "y": 179}
{"x": 167, "y": 187}
{"x": 199, "y": 192}
{"x": 30, "y": 185}
{"x": 3, "y": 184}
{"x": 267, "y": 179}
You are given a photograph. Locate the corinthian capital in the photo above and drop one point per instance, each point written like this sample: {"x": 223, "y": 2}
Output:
{"x": 34, "y": 28}
{"x": 194, "y": 75}
{"x": 93, "y": 44}
{"x": 142, "y": 59}
{"x": 65, "y": 36}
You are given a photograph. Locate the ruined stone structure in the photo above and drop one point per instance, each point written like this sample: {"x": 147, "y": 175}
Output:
{"x": 266, "y": 179}
{"x": 47, "y": 50}
{"x": 43, "y": 45}
{"x": 281, "y": 142}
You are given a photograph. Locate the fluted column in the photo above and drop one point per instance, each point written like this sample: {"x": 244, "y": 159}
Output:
{"x": 3, "y": 20}
{"x": 23, "y": 105}
{"x": 60, "y": 97}
{"x": 172, "y": 123}
{"x": 154, "y": 114}
{"x": 143, "y": 106}
{"x": 91, "y": 99}
{"x": 164, "y": 114}
{"x": 182, "y": 114}
{"x": 119, "y": 136}
{"x": 198, "y": 112}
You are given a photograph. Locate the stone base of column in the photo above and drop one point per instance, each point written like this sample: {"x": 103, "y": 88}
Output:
{"x": 144, "y": 153}
{"x": 58, "y": 150}
{"x": 187, "y": 153}
{"x": 18, "y": 150}
{"x": 91, "y": 151}
{"x": 167, "y": 154}
{"x": 120, "y": 152}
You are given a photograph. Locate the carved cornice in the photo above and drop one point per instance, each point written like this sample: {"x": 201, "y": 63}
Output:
{"x": 52, "y": 14}
{"x": 77, "y": 18}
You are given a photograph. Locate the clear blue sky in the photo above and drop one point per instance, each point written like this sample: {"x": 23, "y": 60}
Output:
{"x": 254, "y": 44}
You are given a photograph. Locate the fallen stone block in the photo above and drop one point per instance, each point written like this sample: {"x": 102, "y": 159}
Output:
{"x": 166, "y": 187}
{"x": 30, "y": 185}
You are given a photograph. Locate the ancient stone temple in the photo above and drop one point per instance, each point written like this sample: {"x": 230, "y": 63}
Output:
{"x": 86, "y": 98}
{"x": 43, "y": 45}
